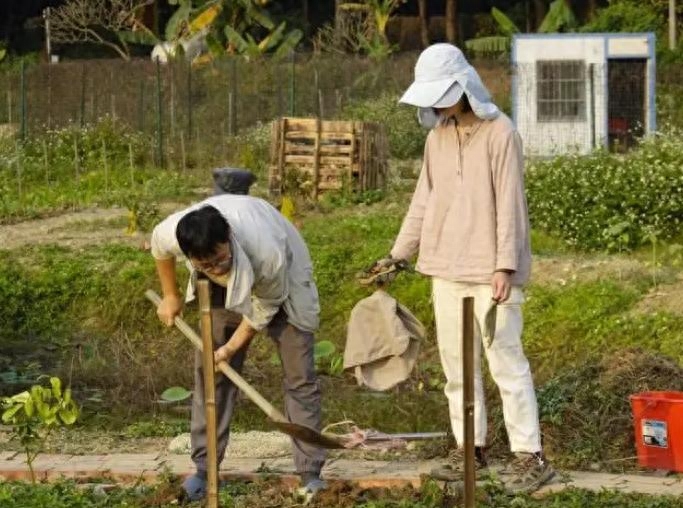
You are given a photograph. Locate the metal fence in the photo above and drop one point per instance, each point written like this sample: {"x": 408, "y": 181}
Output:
{"x": 178, "y": 103}
{"x": 180, "y": 107}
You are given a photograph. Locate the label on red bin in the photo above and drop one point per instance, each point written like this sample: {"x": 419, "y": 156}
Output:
{"x": 654, "y": 433}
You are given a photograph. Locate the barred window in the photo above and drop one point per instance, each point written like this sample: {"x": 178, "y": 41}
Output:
{"x": 560, "y": 90}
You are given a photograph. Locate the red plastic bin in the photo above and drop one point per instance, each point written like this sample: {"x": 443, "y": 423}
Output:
{"x": 658, "y": 424}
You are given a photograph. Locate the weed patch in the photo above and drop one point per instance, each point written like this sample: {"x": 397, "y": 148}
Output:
{"x": 585, "y": 411}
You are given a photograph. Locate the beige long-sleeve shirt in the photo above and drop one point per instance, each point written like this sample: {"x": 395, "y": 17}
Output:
{"x": 468, "y": 215}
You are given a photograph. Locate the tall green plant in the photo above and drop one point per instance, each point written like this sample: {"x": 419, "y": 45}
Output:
{"x": 35, "y": 413}
{"x": 560, "y": 17}
{"x": 380, "y": 11}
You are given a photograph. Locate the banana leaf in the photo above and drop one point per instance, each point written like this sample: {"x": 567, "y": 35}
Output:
{"x": 174, "y": 26}
{"x": 505, "y": 24}
{"x": 489, "y": 45}
{"x": 559, "y": 16}
{"x": 205, "y": 18}
{"x": 142, "y": 38}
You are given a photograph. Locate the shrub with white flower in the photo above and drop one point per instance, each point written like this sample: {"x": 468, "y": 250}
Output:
{"x": 611, "y": 201}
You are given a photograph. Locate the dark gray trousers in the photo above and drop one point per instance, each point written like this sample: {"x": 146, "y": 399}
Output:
{"x": 301, "y": 387}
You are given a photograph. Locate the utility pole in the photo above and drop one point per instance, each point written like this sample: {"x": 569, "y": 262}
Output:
{"x": 672, "y": 24}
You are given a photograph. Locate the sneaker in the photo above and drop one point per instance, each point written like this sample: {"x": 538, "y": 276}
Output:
{"x": 454, "y": 470}
{"x": 312, "y": 484}
{"x": 195, "y": 486}
{"x": 526, "y": 473}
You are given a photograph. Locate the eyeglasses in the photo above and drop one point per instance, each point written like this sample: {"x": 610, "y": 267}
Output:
{"x": 220, "y": 263}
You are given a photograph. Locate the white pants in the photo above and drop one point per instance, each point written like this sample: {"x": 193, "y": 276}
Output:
{"x": 506, "y": 360}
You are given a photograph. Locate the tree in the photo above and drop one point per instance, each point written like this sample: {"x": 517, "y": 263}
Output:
{"x": 102, "y": 22}
{"x": 451, "y": 21}
{"x": 233, "y": 26}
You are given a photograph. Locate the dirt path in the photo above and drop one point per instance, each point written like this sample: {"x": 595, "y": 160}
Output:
{"x": 77, "y": 229}
{"x": 73, "y": 229}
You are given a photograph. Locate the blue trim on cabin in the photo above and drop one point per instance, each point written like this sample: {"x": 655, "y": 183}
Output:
{"x": 586, "y": 35}
{"x": 606, "y": 36}
{"x": 652, "y": 82}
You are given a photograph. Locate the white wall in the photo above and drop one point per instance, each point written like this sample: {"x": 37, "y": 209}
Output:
{"x": 551, "y": 138}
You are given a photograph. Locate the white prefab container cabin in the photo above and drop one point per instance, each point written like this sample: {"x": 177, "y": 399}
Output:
{"x": 578, "y": 92}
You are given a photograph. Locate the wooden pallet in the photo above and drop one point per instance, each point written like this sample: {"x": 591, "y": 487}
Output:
{"x": 329, "y": 154}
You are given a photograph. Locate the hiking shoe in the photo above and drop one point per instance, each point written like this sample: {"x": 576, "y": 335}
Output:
{"x": 526, "y": 473}
{"x": 454, "y": 470}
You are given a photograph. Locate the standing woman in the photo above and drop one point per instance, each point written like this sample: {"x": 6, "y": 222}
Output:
{"x": 469, "y": 225}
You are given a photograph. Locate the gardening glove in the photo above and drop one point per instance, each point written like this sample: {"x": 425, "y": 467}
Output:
{"x": 382, "y": 271}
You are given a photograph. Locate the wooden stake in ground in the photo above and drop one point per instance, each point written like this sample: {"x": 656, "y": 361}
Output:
{"x": 209, "y": 393}
{"x": 468, "y": 397}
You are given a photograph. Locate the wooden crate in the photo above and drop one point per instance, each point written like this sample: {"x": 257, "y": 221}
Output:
{"x": 330, "y": 154}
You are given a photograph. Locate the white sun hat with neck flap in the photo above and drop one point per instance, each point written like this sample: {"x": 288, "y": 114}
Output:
{"x": 442, "y": 76}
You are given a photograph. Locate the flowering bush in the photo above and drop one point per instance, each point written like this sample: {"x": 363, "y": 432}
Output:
{"x": 610, "y": 201}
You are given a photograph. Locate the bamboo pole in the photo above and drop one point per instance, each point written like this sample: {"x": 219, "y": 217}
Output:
{"x": 209, "y": 392}
{"x": 468, "y": 398}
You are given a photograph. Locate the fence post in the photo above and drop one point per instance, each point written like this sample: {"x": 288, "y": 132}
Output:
{"x": 131, "y": 164}
{"x": 23, "y": 102}
{"x": 233, "y": 96}
{"x": 318, "y": 96}
{"x": 141, "y": 107}
{"x": 9, "y": 101}
{"x": 278, "y": 85}
{"x": 82, "y": 111}
{"x": 105, "y": 163}
{"x": 171, "y": 102}
{"x": 292, "y": 85}
{"x": 46, "y": 162}
{"x": 189, "y": 101}
{"x": 112, "y": 96}
{"x": 160, "y": 134}
{"x": 19, "y": 156}
{"x": 49, "y": 95}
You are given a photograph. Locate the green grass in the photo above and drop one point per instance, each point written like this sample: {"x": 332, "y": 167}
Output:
{"x": 82, "y": 314}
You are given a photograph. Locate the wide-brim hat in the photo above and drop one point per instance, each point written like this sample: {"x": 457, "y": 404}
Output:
{"x": 442, "y": 76}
